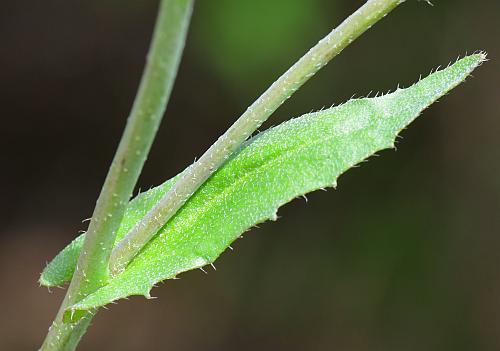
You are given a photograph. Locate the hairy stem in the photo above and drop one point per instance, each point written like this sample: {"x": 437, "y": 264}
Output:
{"x": 149, "y": 106}
{"x": 317, "y": 57}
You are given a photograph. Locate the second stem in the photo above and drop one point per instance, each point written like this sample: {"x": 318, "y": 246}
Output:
{"x": 317, "y": 57}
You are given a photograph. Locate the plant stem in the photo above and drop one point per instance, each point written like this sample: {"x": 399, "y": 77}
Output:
{"x": 149, "y": 106}
{"x": 330, "y": 46}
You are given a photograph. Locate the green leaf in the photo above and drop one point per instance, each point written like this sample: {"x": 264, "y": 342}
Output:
{"x": 294, "y": 158}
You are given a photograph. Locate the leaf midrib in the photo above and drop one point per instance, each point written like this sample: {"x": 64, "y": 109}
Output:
{"x": 228, "y": 190}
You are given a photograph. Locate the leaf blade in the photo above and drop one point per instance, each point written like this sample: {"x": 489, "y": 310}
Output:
{"x": 299, "y": 156}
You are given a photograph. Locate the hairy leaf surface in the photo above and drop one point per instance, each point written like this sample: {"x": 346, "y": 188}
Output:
{"x": 276, "y": 166}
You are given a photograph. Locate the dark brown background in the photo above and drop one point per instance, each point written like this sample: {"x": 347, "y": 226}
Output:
{"x": 403, "y": 256}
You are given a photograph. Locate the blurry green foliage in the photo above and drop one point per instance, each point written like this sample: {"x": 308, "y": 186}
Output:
{"x": 244, "y": 41}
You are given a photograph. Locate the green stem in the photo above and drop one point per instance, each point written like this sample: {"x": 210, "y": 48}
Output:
{"x": 149, "y": 106}
{"x": 330, "y": 46}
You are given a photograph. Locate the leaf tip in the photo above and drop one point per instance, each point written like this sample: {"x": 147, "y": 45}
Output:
{"x": 474, "y": 60}
{"x": 46, "y": 280}
{"x": 479, "y": 56}
{"x": 482, "y": 54}
{"x": 42, "y": 280}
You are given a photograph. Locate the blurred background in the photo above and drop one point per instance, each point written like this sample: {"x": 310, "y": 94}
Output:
{"x": 403, "y": 256}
